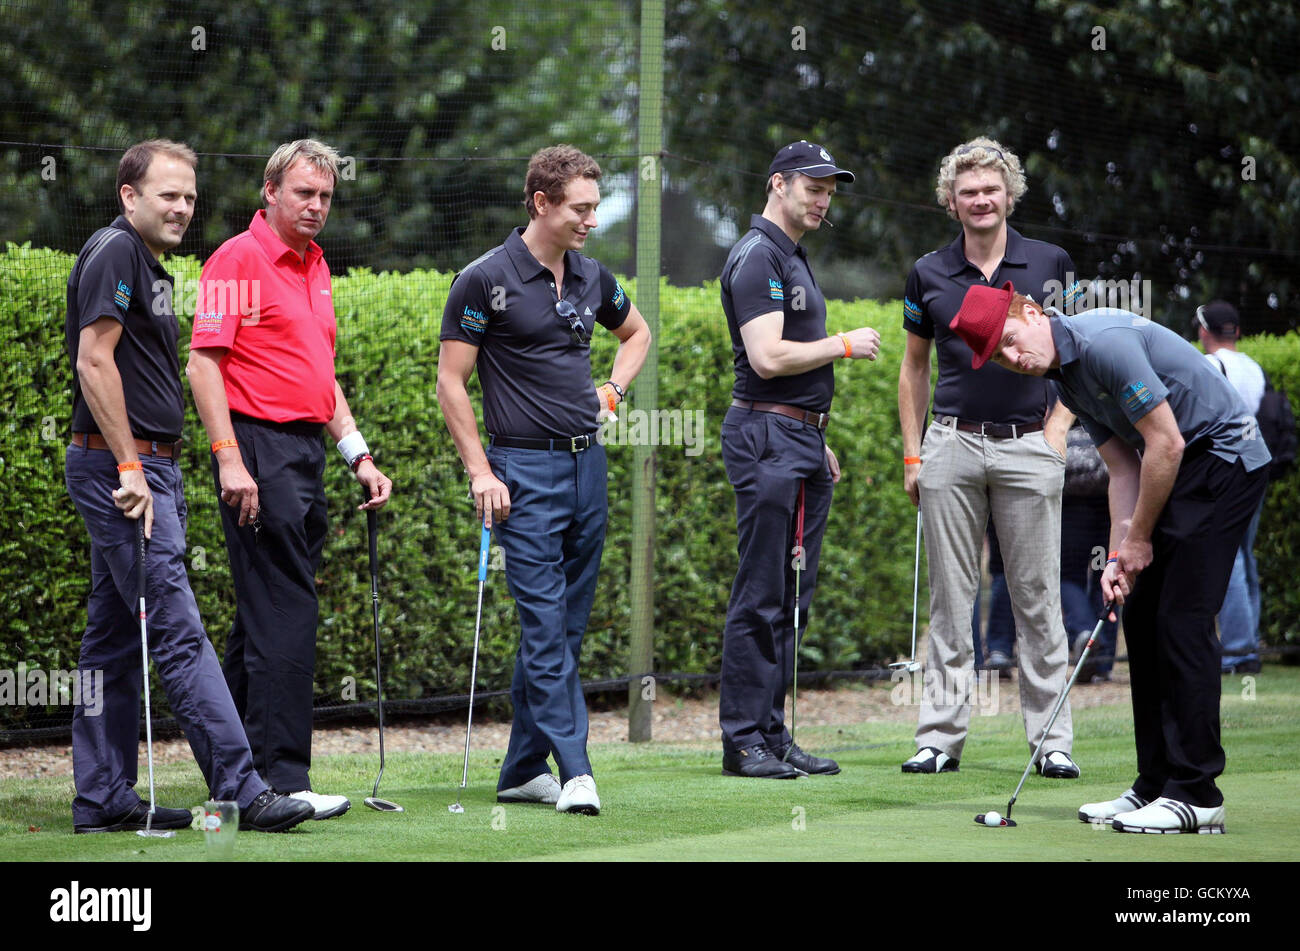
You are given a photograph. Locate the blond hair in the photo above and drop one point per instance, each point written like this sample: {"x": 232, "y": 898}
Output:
{"x": 321, "y": 156}
{"x": 980, "y": 152}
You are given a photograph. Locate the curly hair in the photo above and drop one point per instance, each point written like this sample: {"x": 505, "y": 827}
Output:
{"x": 551, "y": 169}
{"x": 980, "y": 152}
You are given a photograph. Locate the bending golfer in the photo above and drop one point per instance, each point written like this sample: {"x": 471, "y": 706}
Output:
{"x": 773, "y": 442}
{"x": 128, "y": 412}
{"x": 1188, "y": 468}
{"x": 262, "y": 370}
{"x": 996, "y": 445}
{"x": 523, "y": 315}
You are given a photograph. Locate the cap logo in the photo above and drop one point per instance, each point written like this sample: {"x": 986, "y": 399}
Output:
{"x": 826, "y": 155}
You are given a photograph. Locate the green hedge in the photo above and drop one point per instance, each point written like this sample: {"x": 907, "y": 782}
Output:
{"x": 388, "y": 344}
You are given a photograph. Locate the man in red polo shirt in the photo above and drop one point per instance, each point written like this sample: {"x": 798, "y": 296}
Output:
{"x": 262, "y": 370}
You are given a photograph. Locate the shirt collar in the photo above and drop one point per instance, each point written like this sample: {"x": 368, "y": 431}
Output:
{"x": 122, "y": 224}
{"x": 779, "y": 237}
{"x": 528, "y": 267}
{"x": 1067, "y": 348}
{"x": 274, "y": 247}
{"x": 1014, "y": 254}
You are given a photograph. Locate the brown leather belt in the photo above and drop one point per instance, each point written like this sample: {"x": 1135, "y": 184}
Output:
{"x": 166, "y": 450}
{"x": 820, "y": 420}
{"x": 991, "y": 430}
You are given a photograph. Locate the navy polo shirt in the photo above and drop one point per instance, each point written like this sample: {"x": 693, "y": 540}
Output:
{"x": 935, "y": 289}
{"x": 536, "y": 378}
{"x": 1115, "y": 367}
{"x": 766, "y": 272}
{"x": 117, "y": 276}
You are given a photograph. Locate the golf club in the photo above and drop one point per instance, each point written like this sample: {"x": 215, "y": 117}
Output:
{"x": 473, "y": 671}
{"x": 912, "y": 664}
{"x": 992, "y": 819}
{"x": 798, "y": 553}
{"x": 373, "y": 801}
{"x": 141, "y": 550}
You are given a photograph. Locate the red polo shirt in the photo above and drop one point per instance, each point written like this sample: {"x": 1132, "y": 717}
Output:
{"x": 273, "y": 312}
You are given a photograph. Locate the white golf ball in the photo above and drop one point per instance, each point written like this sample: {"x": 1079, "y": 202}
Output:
{"x": 992, "y": 819}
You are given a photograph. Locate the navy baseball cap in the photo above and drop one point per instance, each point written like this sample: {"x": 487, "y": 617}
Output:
{"x": 812, "y": 160}
{"x": 1219, "y": 318}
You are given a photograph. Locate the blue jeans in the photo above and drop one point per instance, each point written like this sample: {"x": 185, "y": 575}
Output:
{"x": 104, "y": 746}
{"x": 1239, "y": 616}
{"x": 552, "y": 542}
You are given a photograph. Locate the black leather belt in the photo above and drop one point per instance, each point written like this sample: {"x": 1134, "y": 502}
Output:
{"x": 806, "y": 416}
{"x": 991, "y": 430}
{"x": 568, "y": 443}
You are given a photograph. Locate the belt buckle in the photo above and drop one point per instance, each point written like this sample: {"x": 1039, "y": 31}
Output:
{"x": 822, "y": 420}
{"x": 1014, "y": 433}
{"x": 573, "y": 442}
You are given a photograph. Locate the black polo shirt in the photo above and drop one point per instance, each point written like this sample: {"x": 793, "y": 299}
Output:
{"x": 536, "y": 378}
{"x": 935, "y": 290}
{"x": 766, "y": 272}
{"x": 117, "y": 276}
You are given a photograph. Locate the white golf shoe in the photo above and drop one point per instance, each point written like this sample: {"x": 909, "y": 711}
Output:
{"x": 579, "y": 795}
{"x": 1128, "y": 801}
{"x": 544, "y": 788}
{"x": 327, "y": 807}
{"x": 931, "y": 759}
{"x": 1168, "y": 816}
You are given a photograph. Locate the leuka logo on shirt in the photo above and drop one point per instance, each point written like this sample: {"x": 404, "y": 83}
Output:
{"x": 122, "y": 295}
{"x": 775, "y": 289}
{"x": 473, "y": 320}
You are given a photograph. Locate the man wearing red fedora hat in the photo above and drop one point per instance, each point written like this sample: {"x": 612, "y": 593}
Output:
{"x": 1174, "y": 434}
{"x": 996, "y": 447}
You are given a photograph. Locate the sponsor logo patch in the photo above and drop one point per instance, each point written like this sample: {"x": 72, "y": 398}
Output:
{"x": 911, "y": 311}
{"x": 775, "y": 289}
{"x": 619, "y": 296}
{"x": 209, "y": 323}
{"x": 122, "y": 295}
{"x": 1136, "y": 395}
{"x": 473, "y": 320}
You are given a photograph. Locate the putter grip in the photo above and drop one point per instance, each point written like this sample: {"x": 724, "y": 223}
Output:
{"x": 372, "y": 523}
{"x": 483, "y": 544}
{"x": 140, "y": 554}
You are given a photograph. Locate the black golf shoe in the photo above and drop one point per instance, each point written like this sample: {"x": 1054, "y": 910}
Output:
{"x": 806, "y": 762}
{"x": 137, "y": 817}
{"x": 274, "y": 812}
{"x": 757, "y": 762}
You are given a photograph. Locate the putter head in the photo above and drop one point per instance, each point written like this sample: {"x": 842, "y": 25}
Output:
{"x": 382, "y": 805}
{"x": 156, "y": 833}
{"x": 456, "y": 808}
{"x": 1006, "y": 823}
{"x": 911, "y": 666}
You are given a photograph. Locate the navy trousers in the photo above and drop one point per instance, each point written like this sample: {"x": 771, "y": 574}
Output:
{"x": 270, "y": 658}
{"x": 552, "y": 542}
{"x": 1169, "y": 628}
{"x": 104, "y": 746}
{"x": 767, "y": 456}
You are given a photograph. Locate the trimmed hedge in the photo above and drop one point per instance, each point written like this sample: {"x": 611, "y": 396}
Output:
{"x": 388, "y": 345}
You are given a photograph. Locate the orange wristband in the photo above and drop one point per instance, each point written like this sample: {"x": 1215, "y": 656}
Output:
{"x": 130, "y": 466}
{"x": 224, "y": 444}
{"x": 848, "y": 349}
{"x": 911, "y": 460}
{"x": 611, "y": 399}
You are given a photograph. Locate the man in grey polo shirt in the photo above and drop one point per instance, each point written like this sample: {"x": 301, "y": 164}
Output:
{"x": 1187, "y": 470}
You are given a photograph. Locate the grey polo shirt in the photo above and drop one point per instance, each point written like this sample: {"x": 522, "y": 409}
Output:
{"x": 1115, "y": 367}
{"x": 536, "y": 378}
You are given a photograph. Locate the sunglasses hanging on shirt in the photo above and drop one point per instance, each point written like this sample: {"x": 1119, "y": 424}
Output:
{"x": 569, "y": 313}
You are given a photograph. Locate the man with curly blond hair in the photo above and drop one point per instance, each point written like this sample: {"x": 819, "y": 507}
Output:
{"x": 996, "y": 446}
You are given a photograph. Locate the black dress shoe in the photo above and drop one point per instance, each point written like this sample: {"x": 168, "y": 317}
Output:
{"x": 137, "y": 817}
{"x": 757, "y": 762}
{"x": 806, "y": 762}
{"x": 274, "y": 812}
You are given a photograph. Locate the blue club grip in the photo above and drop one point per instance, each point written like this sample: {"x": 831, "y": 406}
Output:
{"x": 483, "y": 545}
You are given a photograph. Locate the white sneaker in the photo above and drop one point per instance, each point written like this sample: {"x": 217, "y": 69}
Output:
{"x": 1169, "y": 817}
{"x": 1128, "y": 801}
{"x": 579, "y": 795}
{"x": 327, "y": 807}
{"x": 544, "y": 788}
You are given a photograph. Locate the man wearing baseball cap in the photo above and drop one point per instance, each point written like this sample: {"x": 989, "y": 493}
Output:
{"x": 1219, "y": 327}
{"x": 774, "y": 447}
{"x": 996, "y": 446}
{"x": 1187, "y": 471}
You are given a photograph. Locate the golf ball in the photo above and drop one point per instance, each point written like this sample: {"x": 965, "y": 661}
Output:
{"x": 992, "y": 819}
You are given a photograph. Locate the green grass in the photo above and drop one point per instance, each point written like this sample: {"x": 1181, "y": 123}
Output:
{"x": 671, "y": 803}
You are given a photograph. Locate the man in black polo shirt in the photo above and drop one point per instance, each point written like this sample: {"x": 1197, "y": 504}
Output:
{"x": 523, "y": 314}
{"x": 993, "y": 448}
{"x": 774, "y": 447}
{"x": 127, "y": 418}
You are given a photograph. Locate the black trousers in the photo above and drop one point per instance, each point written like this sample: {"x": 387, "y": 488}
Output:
{"x": 270, "y": 658}
{"x": 1169, "y": 626}
{"x": 767, "y": 456}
